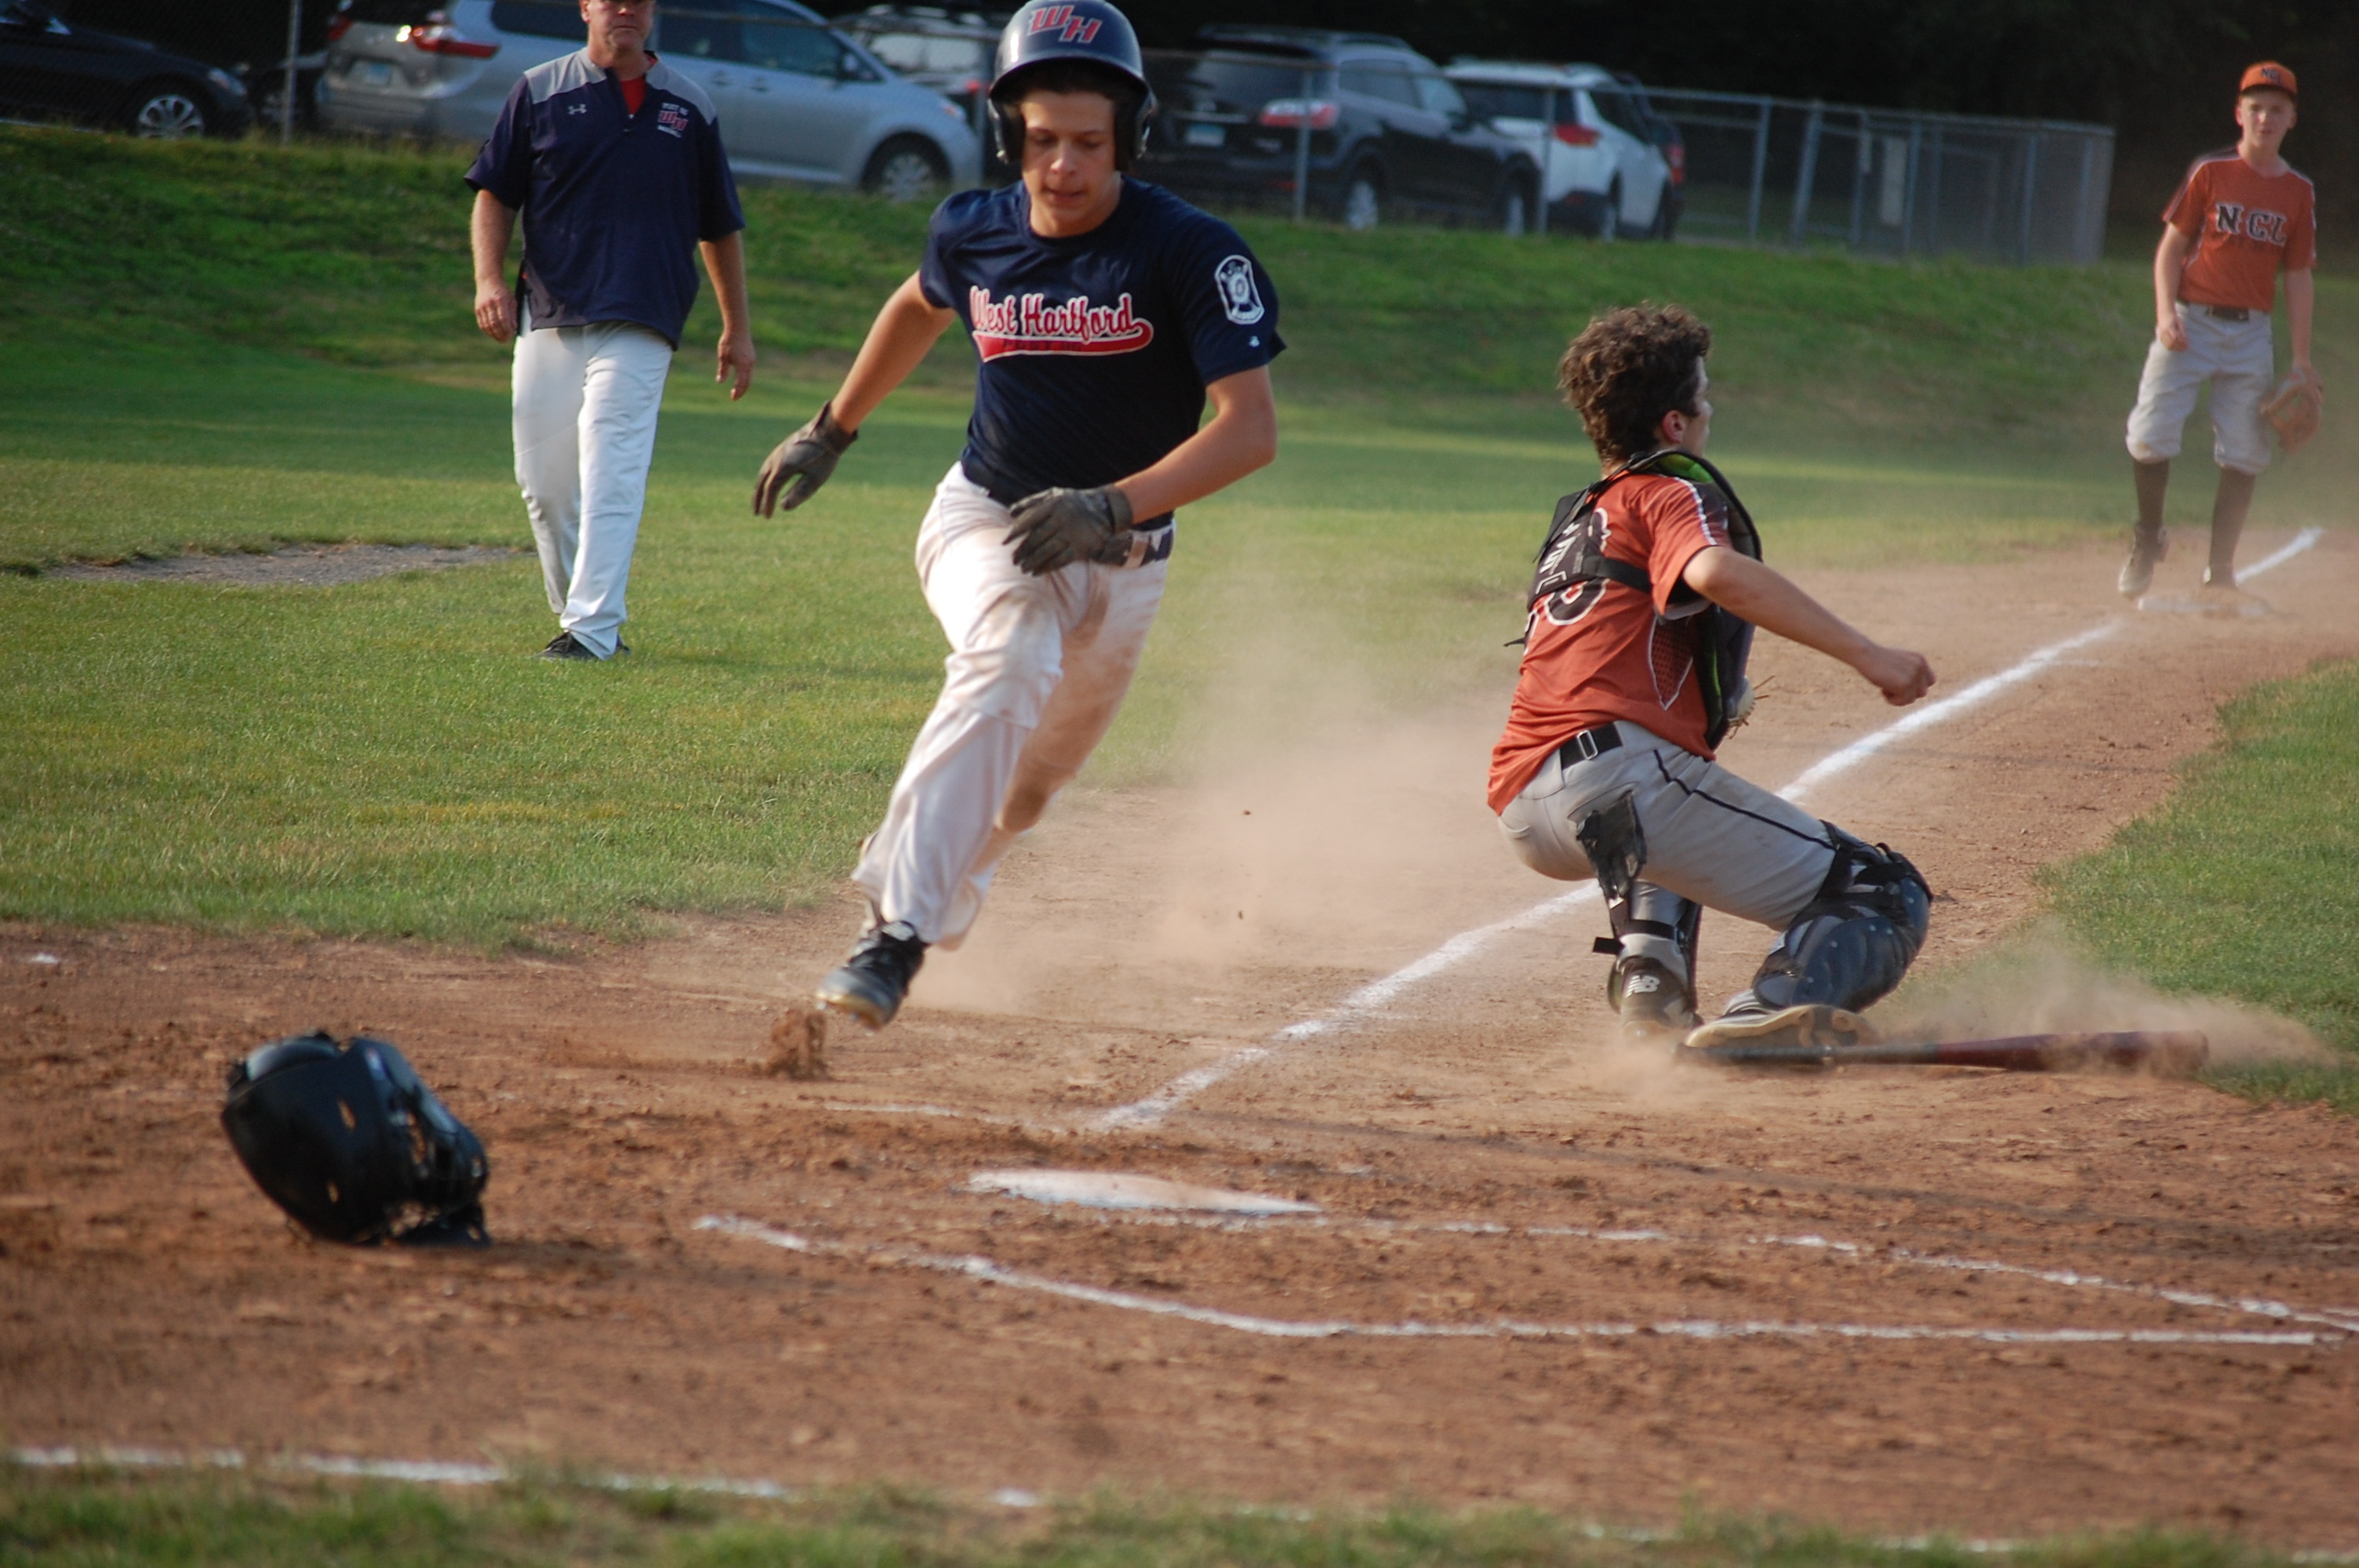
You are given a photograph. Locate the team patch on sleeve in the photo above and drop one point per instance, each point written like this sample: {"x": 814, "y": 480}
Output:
{"x": 1239, "y": 298}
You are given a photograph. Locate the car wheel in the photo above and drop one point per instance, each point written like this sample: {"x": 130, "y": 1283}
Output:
{"x": 1609, "y": 217}
{"x": 1364, "y": 200}
{"x": 905, "y": 169}
{"x": 167, "y": 112}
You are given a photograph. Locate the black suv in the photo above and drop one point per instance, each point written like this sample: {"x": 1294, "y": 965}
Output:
{"x": 1369, "y": 128}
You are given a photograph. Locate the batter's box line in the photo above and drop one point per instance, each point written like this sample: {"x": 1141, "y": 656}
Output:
{"x": 2259, "y": 1306}
{"x": 984, "y": 1271}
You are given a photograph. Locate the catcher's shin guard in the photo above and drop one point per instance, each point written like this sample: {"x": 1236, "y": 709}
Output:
{"x": 1853, "y": 942}
{"x": 1652, "y": 984}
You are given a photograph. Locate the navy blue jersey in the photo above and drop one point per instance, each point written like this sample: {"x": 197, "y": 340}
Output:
{"x": 1096, "y": 350}
{"x": 614, "y": 202}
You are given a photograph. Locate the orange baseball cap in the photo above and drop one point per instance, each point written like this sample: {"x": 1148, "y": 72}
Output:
{"x": 2269, "y": 73}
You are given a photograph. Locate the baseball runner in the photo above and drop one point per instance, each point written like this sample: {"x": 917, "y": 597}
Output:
{"x": 1642, "y": 610}
{"x": 614, "y": 160}
{"x": 1105, "y": 312}
{"x": 2239, "y": 218}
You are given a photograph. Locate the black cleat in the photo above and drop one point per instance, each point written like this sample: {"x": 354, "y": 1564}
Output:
{"x": 1652, "y": 1003}
{"x": 2146, "y": 549}
{"x": 564, "y": 646}
{"x": 875, "y": 977}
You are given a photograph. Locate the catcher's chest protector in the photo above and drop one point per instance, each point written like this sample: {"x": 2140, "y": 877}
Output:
{"x": 1572, "y": 562}
{"x": 352, "y": 1143}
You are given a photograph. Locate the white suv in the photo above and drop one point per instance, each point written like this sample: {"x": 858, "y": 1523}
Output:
{"x": 1602, "y": 173}
{"x": 797, "y": 101}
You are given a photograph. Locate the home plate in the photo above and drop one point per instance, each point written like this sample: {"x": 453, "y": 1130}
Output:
{"x": 1111, "y": 1189}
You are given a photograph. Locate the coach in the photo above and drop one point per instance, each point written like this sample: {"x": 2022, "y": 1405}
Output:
{"x": 614, "y": 159}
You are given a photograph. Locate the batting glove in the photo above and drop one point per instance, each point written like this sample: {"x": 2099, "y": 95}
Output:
{"x": 801, "y": 463}
{"x": 1055, "y": 528}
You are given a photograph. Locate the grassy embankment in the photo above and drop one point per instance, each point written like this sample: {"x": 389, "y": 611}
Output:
{"x": 222, "y": 347}
{"x": 75, "y": 1519}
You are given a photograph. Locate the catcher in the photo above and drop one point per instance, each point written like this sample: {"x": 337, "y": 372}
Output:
{"x": 2241, "y": 217}
{"x": 1642, "y": 610}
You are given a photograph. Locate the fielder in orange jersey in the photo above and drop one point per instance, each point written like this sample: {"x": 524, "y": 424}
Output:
{"x": 2242, "y": 216}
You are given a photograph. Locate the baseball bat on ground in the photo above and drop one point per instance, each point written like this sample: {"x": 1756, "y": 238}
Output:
{"x": 2177, "y": 1054}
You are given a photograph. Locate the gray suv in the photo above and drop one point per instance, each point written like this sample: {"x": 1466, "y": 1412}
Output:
{"x": 797, "y": 101}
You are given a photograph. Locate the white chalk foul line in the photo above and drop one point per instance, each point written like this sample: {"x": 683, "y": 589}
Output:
{"x": 986, "y": 1271}
{"x": 419, "y": 1472}
{"x": 1374, "y": 995}
{"x": 2340, "y": 1321}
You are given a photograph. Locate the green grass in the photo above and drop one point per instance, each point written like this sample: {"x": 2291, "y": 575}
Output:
{"x": 92, "y": 1519}
{"x": 2246, "y": 883}
{"x": 226, "y": 346}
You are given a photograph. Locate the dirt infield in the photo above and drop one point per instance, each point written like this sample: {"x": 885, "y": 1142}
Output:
{"x": 1541, "y": 1268}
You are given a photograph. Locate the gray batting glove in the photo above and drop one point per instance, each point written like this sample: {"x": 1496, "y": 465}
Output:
{"x": 1057, "y": 527}
{"x": 801, "y": 463}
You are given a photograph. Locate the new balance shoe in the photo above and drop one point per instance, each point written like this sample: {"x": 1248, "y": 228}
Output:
{"x": 1652, "y": 1003}
{"x": 2146, "y": 549}
{"x": 873, "y": 978}
{"x": 1815, "y": 1023}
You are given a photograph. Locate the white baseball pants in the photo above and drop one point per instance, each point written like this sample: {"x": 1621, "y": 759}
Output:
{"x": 586, "y": 399}
{"x": 2237, "y": 358}
{"x": 1037, "y": 669}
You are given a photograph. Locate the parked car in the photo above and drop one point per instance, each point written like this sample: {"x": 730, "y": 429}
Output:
{"x": 797, "y": 101}
{"x": 1606, "y": 176}
{"x": 245, "y": 38}
{"x": 950, "y": 52}
{"x": 1665, "y": 133}
{"x": 53, "y": 70}
{"x": 1389, "y": 133}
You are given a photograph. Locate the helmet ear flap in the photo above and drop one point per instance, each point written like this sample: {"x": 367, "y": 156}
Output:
{"x": 1130, "y": 118}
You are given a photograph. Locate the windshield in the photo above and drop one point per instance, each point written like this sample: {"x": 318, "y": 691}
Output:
{"x": 1505, "y": 100}
{"x": 1212, "y": 85}
{"x": 916, "y": 52}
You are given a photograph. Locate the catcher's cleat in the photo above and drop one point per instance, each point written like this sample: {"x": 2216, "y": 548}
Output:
{"x": 1815, "y": 1023}
{"x": 2137, "y": 572}
{"x": 1653, "y": 1003}
{"x": 874, "y": 976}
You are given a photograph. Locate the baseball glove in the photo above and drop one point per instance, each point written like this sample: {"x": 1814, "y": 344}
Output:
{"x": 2294, "y": 412}
{"x": 1057, "y": 527}
{"x": 801, "y": 463}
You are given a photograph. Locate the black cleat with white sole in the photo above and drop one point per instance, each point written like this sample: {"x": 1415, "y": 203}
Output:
{"x": 1813, "y": 1024}
{"x": 873, "y": 978}
{"x": 1652, "y": 1002}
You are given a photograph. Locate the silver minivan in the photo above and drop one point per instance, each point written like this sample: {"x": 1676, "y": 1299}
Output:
{"x": 1602, "y": 173}
{"x": 796, "y": 100}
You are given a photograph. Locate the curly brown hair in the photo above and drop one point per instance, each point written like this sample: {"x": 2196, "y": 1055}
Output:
{"x": 1628, "y": 368}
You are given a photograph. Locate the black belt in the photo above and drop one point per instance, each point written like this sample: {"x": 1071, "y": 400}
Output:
{"x": 2226, "y": 312}
{"x": 1589, "y": 745}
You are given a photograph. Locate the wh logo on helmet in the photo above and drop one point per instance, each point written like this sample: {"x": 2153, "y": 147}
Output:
{"x": 1070, "y": 28}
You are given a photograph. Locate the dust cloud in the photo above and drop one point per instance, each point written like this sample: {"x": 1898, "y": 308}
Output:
{"x": 2043, "y": 986}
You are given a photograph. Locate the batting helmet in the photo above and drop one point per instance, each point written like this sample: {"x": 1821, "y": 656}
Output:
{"x": 349, "y": 1141}
{"x": 1087, "y": 30}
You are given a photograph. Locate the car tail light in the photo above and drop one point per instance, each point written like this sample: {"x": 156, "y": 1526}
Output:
{"x": 339, "y": 25}
{"x": 441, "y": 38}
{"x": 1576, "y": 135}
{"x": 1292, "y": 113}
{"x": 1677, "y": 154}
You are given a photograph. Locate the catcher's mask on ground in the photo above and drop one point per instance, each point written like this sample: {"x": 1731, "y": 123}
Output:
{"x": 348, "y": 1140}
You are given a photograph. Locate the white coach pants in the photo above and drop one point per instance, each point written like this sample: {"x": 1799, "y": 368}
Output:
{"x": 2237, "y": 358}
{"x": 586, "y": 399}
{"x": 1037, "y": 669}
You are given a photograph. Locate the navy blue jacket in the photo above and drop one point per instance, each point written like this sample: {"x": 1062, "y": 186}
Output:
{"x": 613, "y": 203}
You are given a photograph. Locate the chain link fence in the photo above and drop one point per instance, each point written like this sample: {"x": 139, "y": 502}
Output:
{"x": 1891, "y": 182}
